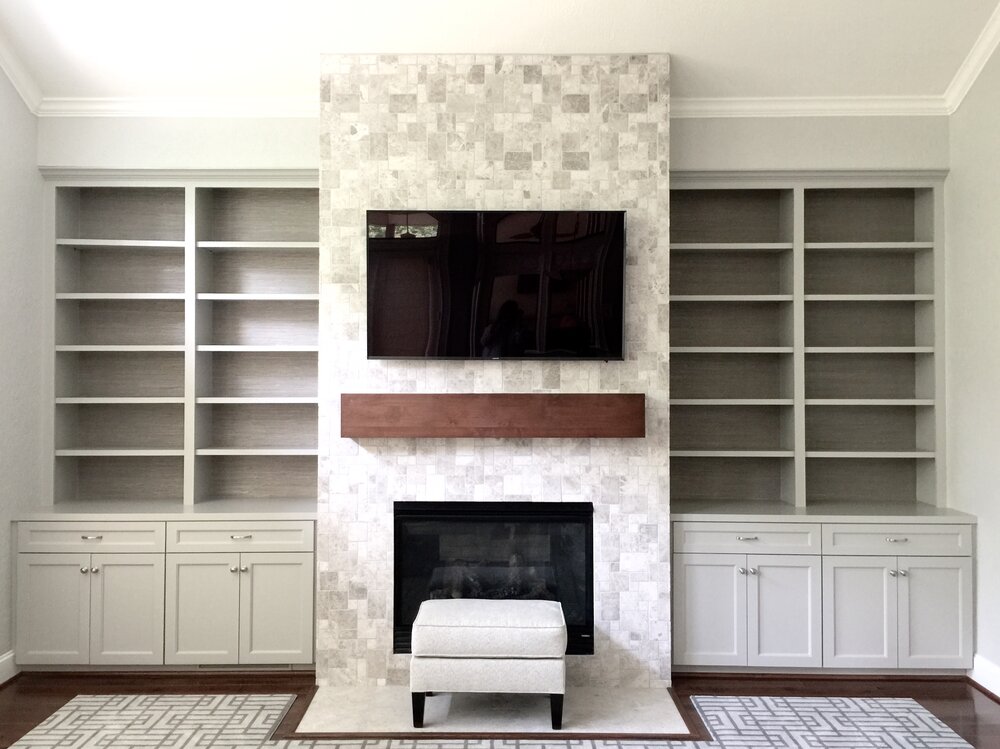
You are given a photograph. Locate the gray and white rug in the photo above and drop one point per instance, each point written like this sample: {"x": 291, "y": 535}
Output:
{"x": 245, "y": 722}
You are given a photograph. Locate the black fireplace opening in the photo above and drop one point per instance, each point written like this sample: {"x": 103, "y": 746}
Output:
{"x": 501, "y": 550}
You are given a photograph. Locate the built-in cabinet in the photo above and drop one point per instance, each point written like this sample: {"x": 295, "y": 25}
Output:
{"x": 838, "y": 595}
{"x": 221, "y": 592}
{"x": 186, "y": 343}
{"x": 805, "y": 317}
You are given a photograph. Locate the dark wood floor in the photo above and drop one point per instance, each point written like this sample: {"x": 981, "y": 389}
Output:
{"x": 32, "y": 697}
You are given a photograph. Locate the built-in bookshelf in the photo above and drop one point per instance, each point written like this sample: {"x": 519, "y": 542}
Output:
{"x": 805, "y": 315}
{"x": 186, "y": 340}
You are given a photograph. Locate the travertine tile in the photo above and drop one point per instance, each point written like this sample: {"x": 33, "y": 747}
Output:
{"x": 494, "y": 132}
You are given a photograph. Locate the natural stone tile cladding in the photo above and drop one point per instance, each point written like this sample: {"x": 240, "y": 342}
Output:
{"x": 494, "y": 132}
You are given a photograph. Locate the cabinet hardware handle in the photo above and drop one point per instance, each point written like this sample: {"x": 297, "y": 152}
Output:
{"x": 892, "y": 573}
{"x": 747, "y": 538}
{"x": 892, "y": 540}
{"x": 84, "y": 570}
{"x": 233, "y": 569}
{"x": 743, "y": 570}
{"x": 753, "y": 570}
{"x": 902, "y": 573}
{"x": 244, "y": 568}
{"x": 92, "y": 538}
{"x": 247, "y": 537}
{"x": 95, "y": 570}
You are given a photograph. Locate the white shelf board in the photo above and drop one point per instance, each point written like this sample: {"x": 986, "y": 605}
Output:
{"x": 730, "y": 246}
{"x": 871, "y": 246}
{"x": 869, "y": 349}
{"x": 258, "y": 246}
{"x": 278, "y": 400}
{"x": 869, "y": 401}
{"x": 116, "y": 452}
{"x": 262, "y": 451}
{"x": 866, "y": 454}
{"x": 74, "y": 401}
{"x": 77, "y": 296}
{"x": 732, "y": 453}
{"x": 732, "y": 401}
{"x": 869, "y": 297}
{"x": 211, "y": 297}
{"x": 259, "y": 349}
{"x": 136, "y": 348}
{"x": 109, "y": 244}
{"x": 731, "y": 298}
{"x": 730, "y": 349}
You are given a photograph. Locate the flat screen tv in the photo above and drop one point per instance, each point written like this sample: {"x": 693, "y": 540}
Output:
{"x": 496, "y": 284}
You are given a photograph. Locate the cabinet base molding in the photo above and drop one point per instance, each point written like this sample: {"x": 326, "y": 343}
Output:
{"x": 8, "y": 669}
{"x": 878, "y": 674}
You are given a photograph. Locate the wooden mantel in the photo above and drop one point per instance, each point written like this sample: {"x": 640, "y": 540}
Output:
{"x": 578, "y": 415}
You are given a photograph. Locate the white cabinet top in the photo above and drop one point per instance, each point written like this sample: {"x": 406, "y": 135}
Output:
{"x": 220, "y": 509}
{"x": 818, "y": 512}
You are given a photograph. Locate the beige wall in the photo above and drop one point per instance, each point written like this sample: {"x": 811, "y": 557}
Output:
{"x": 973, "y": 353}
{"x": 21, "y": 336}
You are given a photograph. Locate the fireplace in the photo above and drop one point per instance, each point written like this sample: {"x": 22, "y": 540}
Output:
{"x": 542, "y": 550}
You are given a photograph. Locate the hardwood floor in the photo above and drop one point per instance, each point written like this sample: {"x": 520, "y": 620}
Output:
{"x": 31, "y": 697}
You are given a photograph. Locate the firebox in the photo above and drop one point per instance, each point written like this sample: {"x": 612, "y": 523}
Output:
{"x": 540, "y": 550}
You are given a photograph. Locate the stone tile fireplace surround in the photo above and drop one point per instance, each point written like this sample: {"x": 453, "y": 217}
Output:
{"x": 494, "y": 132}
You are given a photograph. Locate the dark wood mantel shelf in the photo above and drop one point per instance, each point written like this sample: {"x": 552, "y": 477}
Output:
{"x": 493, "y": 415}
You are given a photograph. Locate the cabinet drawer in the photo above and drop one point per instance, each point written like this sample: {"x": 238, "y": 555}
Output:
{"x": 121, "y": 538}
{"x": 897, "y": 540}
{"x": 747, "y": 538}
{"x": 252, "y": 535}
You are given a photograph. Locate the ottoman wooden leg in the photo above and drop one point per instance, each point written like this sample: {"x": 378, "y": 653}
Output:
{"x": 418, "y": 709}
{"x": 556, "y": 703}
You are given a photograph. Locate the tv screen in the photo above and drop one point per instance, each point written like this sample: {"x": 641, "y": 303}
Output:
{"x": 496, "y": 284}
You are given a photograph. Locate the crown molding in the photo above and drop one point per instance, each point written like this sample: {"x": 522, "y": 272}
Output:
{"x": 809, "y": 106}
{"x": 217, "y": 177}
{"x": 974, "y": 63}
{"x": 273, "y": 107}
{"x": 20, "y": 79}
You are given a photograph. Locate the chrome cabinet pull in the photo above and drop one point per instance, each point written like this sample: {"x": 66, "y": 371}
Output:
{"x": 244, "y": 568}
{"x": 247, "y": 537}
{"x": 234, "y": 569}
{"x": 892, "y": 573}
{"x": 747, "y": 538}
{"x": 892, "y": 540}
{"x": 91, "y": 538}
{"x": 902, "y": 573}
{"x": 94, "y": 570}
{"x": 743, "y": 570}
{"x": 754, "y": 570}
{"x": 84, "y": 570}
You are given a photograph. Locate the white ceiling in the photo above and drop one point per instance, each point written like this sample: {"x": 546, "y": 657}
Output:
{"x": 729, "y": 57}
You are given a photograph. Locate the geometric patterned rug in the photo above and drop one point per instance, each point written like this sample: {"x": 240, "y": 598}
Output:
{"x": 245, "y": 721}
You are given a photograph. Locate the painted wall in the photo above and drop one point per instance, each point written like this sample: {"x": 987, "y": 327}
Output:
{"x": 809, "y": 143}
{"x": 973, "y": 350}
{"x": 178, "y": 143}
{"x": 22, "y": 335}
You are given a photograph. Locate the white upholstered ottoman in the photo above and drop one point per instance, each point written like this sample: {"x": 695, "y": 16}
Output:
{"x": 478, "y": 645}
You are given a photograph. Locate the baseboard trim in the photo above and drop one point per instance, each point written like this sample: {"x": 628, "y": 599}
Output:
{"x": 985, "y": 676}
{"x": 8, "y": 670}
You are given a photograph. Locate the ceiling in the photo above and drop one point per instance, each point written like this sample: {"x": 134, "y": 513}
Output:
{"x": 728, "y": 57}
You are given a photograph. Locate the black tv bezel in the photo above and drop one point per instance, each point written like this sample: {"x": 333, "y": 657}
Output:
{"x": 382, "y": 357}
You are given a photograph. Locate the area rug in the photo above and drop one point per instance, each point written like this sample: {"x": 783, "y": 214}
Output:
{"x": 246, "y": 722}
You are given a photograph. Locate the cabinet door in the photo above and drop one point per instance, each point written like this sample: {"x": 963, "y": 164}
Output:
{"x": 202, "y": 608}
{"x": 126, "y": 609}
{"x": 935, "y": 612}
{"x": 859, "y": 612}
{"x": 53, "y": 608}
{"x": 784, "y": 610}
{"x": 276, "y": 608}
{"x": 710, "y": 610}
